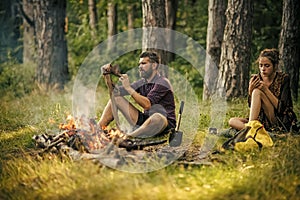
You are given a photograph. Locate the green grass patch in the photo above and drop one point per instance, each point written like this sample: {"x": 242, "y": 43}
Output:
{"x": 272, "y": 173}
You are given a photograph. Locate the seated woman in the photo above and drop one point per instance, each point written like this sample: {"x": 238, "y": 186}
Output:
{"x": 269, "y": 97}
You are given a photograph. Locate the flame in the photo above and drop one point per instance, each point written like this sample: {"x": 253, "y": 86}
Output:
{"x": 112, "y": 133}
{"x": 83, "y": 123}
{"x": 70, "y": 125}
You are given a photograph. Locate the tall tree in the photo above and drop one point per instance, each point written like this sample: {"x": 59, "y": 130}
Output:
{"x": 171, "y": 11}
{"x": 49, "y": 19}
{"x": 112, "y": 22}
{"x": 236, "y": 49}
{"x": 130, "y": 21}
{"x": 93, "y": 18}
{"x": 154, "y": 15}
{"x": 289, "y": 42}
{"x": 214, "y": 37}
{"x": 29, "y": 43}
{"x": 130, "y": 16}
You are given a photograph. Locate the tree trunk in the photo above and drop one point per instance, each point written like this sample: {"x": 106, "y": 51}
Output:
{"x": 112, "y": 24}
{"x": 52, "y": 70}
{"x": 28, "y": 33}
{"x": 130, "y": 22}
{"x": 236, "y": 50}
{"x": 93, "y": 18}
{"x": 130, "y": 15}
{"x": 214, "y": 37}
{"x": 171, "y": 10}
{"x": 289, "y": 43}
{"x": 154, "y": 15}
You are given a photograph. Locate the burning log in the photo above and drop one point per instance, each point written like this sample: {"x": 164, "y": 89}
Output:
{"x": 81, "y": 134}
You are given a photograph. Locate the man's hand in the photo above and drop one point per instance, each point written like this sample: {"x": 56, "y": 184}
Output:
{"x": 109, "y": 69}
{"x": 106, "y": 69}
{"x": 125, "y": 81}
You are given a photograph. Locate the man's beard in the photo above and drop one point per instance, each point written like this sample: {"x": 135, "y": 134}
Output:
{"x": 146, "y": 74}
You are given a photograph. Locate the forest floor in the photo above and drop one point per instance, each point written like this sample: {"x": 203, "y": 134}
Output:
{"x": 272, "y": 173}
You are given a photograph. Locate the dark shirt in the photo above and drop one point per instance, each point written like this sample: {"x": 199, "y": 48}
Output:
{"x": 160, "y": 93}
{"x": 285, "y": 115}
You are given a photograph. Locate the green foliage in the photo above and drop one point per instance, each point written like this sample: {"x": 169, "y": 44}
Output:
{"x": 192, "y": 75}
{"x": 16, "y": 80}
{"x": 10, "y": 22}
{"x": 270, "y": 174}
{"x": 266, "y": 25}
{"x": 192, "y": 19}
{"x": 79, "y": 37}
{"x": 81, "y": 42}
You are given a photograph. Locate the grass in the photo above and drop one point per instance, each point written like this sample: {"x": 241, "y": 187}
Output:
{"x": 273, "y": 173}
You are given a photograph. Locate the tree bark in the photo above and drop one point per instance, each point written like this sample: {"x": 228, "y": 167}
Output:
{"x": 154, "y": 15}
{"x": 130, "y": 16}
{"x": 289, "y": 42}
{"x": 52, "y": 70}
{"x": 236, "y": 50}
{"x": 29, "y": 43}
{"x": 171, "y": 10}
{"x": 112, "y": 24}
{"x": 93, "y": 18}
{"x": 130, "y": 22}
{"x": 214, "y": 37}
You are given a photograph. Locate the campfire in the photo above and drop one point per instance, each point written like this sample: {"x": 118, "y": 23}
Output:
{"x": 74, "y": 125}
{"x": 82, "y": 134}
{"x": 85, "y": 135}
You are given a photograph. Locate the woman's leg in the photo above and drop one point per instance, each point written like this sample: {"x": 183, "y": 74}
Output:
{"x": 260, "y": 101}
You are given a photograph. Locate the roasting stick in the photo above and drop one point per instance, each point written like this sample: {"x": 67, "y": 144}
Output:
{"x": 113, "y": 100}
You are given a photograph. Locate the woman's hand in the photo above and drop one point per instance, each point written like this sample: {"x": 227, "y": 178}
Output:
{"x": 254, "y": 83}
{"x": 262, "y": 86}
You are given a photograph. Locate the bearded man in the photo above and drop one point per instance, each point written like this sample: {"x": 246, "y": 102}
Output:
{"x": 153, "y": 93}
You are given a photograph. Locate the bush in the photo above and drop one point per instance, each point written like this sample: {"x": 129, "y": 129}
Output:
{"x": 16, "y": 80}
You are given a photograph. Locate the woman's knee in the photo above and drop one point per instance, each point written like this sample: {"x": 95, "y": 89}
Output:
{"x": 256, "y": 92}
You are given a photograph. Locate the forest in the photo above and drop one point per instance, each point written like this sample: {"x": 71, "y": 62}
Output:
{"x": 51, "y": 53}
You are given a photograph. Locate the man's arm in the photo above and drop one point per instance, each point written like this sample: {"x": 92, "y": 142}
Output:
{"x": 143, "y": 101}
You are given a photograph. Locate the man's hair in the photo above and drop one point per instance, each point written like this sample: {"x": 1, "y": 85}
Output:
{"x": 153, "y": 57}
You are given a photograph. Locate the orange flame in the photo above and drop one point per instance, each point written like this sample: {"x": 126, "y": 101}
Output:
{"x": 73, "y": 123}
{"x": 70, "y": 125}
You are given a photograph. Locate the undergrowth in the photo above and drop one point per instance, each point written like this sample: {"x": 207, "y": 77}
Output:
{"x": 272, "y": 173}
